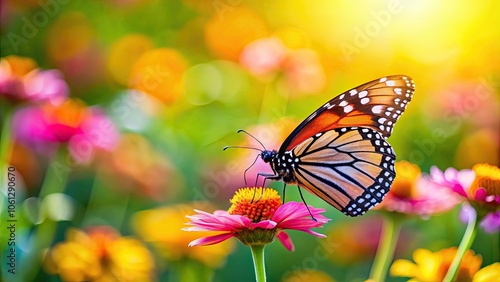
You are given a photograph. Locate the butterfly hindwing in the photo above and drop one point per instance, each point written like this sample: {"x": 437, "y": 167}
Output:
{"x": 377, "y": 104}
{"x": 351, "y": 168}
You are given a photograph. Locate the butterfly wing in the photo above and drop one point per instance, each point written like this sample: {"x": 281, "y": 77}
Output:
{"x": 350, "y": 168}
{"x": 377, "y": 104}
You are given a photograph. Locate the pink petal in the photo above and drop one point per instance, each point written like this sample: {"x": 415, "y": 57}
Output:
{"x": 294, "y": 215}
{"x": 265, "y": 224}
{"x": 481, "y": 194}
{"x": 319, "y": 235}
{"x": 285, "y": 240}
{"x": 205, "y": 241}
{"x": 491, "y": 222}
{"x": 220, "y": 222}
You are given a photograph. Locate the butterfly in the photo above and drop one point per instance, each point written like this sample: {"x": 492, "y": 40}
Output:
{"x": 340, "y": 153}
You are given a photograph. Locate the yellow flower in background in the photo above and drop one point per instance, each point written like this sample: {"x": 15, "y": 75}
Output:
{"x": 124, "y": 53}
{"x": 308, "y": 275}
{"x": 404, "y": 185}
{"x": 432, "y": 266}
{"x": 162, "y": 227}
{"x": 230, "y": 30}
{"x": 159, "y": 73}
{"x": 99, "y": 254}
{"x": 490, "y": 273}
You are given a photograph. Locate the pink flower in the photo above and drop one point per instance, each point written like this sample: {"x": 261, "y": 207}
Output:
{"x": 257, "y": 223}
{"x": 457, "y": 181}
{"x": 479, "y": 189}
{"x": 412, "y": 193}
{"x": 263, "y": 56}
{"x": 84, "y": 129}
{"x": 20, "y": 80}
{"x": 302, "y": 69}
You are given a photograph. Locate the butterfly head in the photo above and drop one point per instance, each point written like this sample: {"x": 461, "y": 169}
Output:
{"x": 268, "y": 155}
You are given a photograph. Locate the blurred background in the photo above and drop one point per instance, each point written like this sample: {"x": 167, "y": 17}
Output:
{"x": 115, "y": 113}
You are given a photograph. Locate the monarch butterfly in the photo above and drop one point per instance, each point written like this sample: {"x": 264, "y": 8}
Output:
{"x": 339, "y": 152}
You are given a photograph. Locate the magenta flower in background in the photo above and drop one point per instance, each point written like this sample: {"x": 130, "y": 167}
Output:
{"x": 83, "y": 129}
{"x": 257, "y": 223}
{"x": 20, "y": 80}
{"x": 479, "y": 189}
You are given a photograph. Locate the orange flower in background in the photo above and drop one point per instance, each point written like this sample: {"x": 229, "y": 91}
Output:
{"x": 124, "y": 53}
{"x": 159, "y": 73}
{"x": 99, "y": 254}
{"x": 137, "y": 167}
{"x": 432, "y": 266}
{"x": 229, "y": 31}
{"x": 162, "y": 227}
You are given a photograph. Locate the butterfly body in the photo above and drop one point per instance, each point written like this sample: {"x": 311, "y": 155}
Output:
{"x": 339, "y": 153}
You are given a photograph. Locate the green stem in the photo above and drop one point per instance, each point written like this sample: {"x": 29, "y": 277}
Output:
{"x": 259, "y": 262}
{"x": 386, "y": 247}
{"x": 469, "y": 235}
{"x": 54, "y": 182}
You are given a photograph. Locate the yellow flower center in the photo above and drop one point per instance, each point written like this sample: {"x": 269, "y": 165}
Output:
{"x": 255, "y": 203}
{"x": 404, "y": 183}
{"x": 487, "y": 177}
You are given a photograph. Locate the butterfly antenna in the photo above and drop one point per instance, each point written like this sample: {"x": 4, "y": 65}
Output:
{"x": 245, "y": 173}
{"x": 241, "y": 147}
{"x": 241, "y": 130}
{"x": 307, "y": 207}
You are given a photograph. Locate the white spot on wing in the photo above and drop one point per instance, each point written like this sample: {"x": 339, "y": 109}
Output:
{"x": 353, "y": 92}
{"x": 365, "y": 101}
{"x": 343, "y": 103}
{"x": 390, "y": 83}
{"x": 383, "y": 79}
{"x": 398, "y": 91}
{"x": 377, "y": 109}
{"x": 348, "y": 109}
{"x": 363, "y": 93}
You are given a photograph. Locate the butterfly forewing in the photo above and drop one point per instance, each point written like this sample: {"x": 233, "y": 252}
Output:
{"x": 350, "y": 168}
{"x": 377, "y": 104}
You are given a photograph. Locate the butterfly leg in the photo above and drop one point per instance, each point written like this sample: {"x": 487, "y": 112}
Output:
{"x": 266, "y": 176}
{"x": 284, "y": 190}
{"x": 304, "y": 201}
